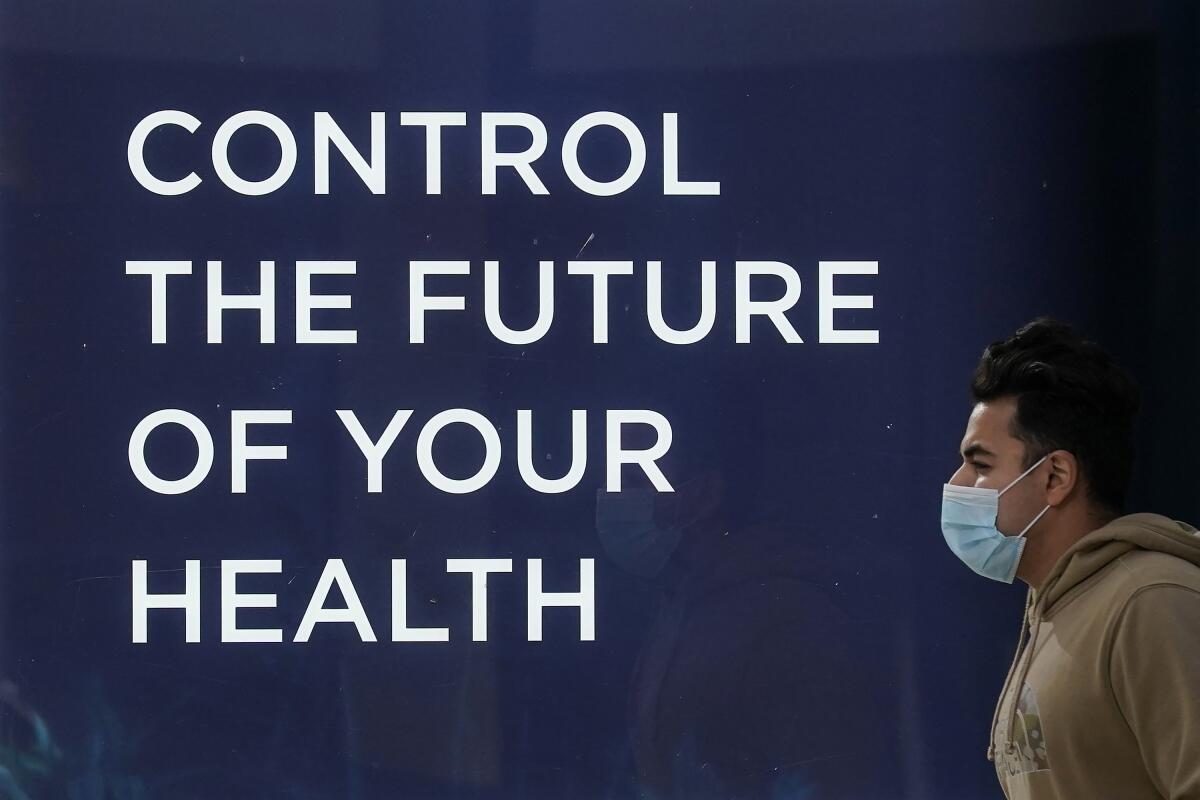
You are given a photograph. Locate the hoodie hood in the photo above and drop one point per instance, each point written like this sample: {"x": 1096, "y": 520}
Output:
{"x": 1093, "y": 552}
{"x": 1109, "y": 542}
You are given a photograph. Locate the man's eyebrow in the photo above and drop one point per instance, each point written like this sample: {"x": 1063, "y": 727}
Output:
{"x": 977, "y": 449}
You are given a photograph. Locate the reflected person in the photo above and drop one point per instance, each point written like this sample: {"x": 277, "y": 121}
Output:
{"x": 748, "y": 683}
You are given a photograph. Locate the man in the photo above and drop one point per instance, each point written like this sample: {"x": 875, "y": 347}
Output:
{"x": 1104, "y": 699}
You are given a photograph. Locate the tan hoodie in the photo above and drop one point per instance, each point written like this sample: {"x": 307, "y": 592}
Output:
{"x": 1104, "y": 702}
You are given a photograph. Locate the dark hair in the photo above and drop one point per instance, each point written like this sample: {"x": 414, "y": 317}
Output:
{"x": 1070, "y": 395}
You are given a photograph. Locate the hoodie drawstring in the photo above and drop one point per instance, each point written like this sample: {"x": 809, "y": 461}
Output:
{"x": 1008, "y": 677}
{"x": 1020, "y": 681}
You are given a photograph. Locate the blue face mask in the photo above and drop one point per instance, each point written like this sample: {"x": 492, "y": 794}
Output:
{"x": 969, "y": 516}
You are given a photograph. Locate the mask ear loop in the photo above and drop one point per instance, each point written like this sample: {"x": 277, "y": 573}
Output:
{"x": 1035, "y": 519}
{"x": 1023, "y": 474}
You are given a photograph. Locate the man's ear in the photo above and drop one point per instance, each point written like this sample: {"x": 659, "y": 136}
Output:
{"x": 1064, "y": 476}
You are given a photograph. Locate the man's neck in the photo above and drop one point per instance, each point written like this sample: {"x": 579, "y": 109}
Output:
{"x": 1046, "y": 548}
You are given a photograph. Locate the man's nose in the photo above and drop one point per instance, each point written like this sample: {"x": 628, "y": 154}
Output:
{"x": 956, "y": 478}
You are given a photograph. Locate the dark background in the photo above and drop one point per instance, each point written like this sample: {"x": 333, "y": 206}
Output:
{"x": 999, "y": 161}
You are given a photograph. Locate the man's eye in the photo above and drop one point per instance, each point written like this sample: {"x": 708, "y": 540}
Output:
{"x": 981, "y": 466}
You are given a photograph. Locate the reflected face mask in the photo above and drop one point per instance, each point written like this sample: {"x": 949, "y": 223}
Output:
{"x": 969, "y": 516}
{"x": 630, "y": 532}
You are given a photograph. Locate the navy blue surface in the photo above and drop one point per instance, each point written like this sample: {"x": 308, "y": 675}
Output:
{"x": 819, "y": 640}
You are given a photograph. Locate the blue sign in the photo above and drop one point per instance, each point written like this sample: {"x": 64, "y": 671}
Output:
{"x": 546, "y": 400}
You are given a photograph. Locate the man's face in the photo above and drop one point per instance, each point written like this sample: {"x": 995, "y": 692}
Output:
{"x": 992, "y": 458}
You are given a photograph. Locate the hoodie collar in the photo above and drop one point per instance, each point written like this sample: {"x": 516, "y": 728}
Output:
{"x": 1099, "y": 548}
